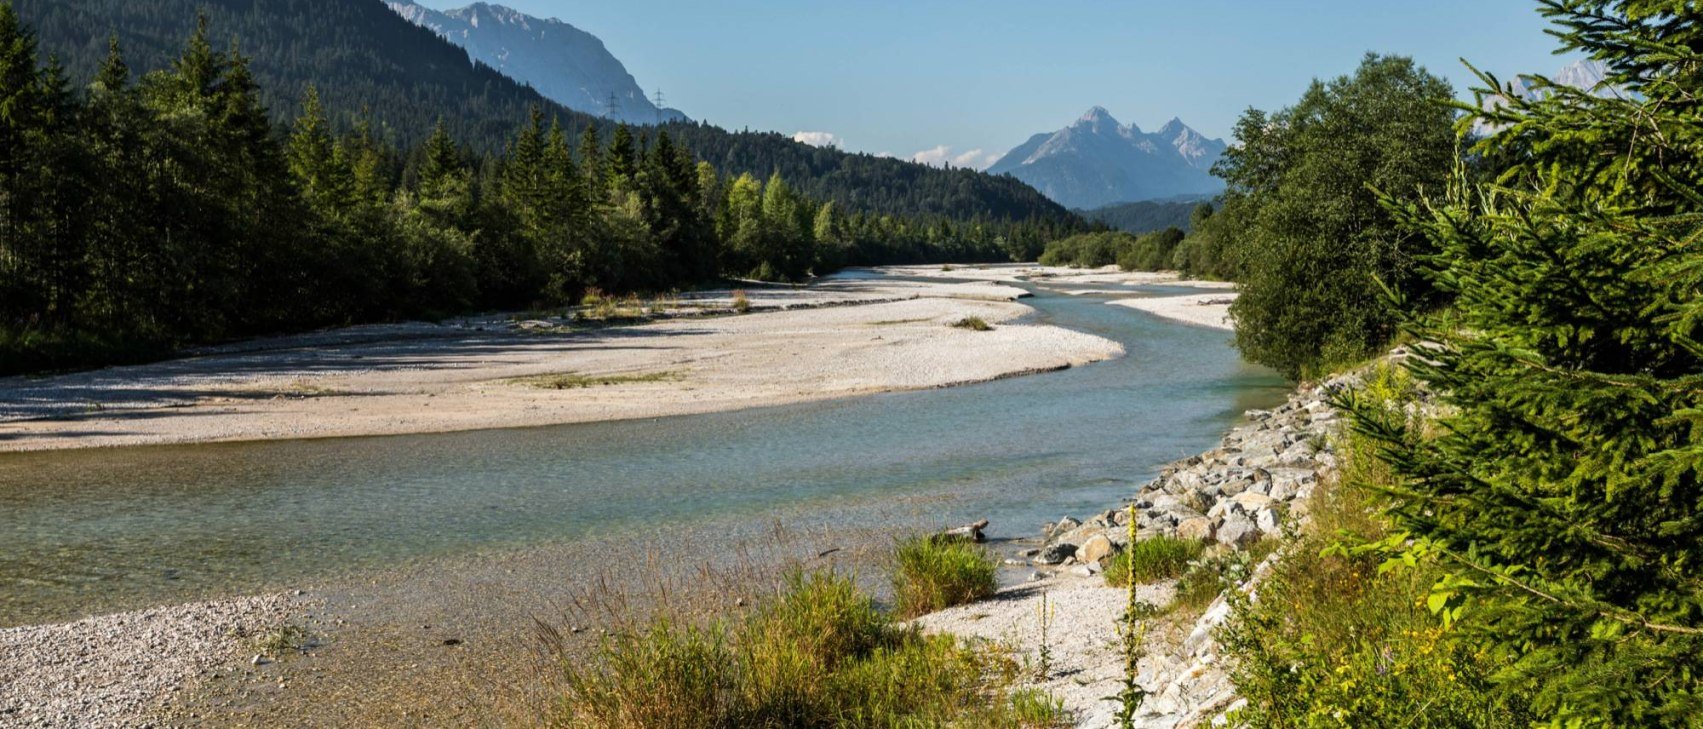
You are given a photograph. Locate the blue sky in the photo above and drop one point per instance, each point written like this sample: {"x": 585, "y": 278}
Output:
{"x": 905, "y": 76}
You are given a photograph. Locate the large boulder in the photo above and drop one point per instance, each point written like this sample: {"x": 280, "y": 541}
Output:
{"x": 1237, "y": 530}
{"x": 1199, "y": 528}
{"x": 1056, "y": 553}
{"x": 1097, "y": 547}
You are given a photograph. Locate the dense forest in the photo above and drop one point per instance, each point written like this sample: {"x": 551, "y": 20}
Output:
{"x": 395, "y": 80}
{"x": 1145, "y": 216}
{"x": 146, "y": 214}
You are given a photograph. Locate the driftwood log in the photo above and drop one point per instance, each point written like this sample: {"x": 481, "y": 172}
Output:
{"x": 967, "y": 532}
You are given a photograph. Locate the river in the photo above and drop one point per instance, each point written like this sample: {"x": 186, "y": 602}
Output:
{"x": 93, "y": 531}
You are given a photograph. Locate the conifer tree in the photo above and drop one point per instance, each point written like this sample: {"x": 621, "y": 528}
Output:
{"x": 1562, "y": 488}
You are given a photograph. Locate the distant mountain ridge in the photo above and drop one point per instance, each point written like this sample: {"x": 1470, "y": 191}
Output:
{"x": 565, "y": 64}
{"x": 370, "y": 64}
{"x": 1097, "y": 161}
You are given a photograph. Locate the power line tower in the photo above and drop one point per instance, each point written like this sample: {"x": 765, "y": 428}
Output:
{"x": 612, "y": 107}
{"x": 658, "y": 103}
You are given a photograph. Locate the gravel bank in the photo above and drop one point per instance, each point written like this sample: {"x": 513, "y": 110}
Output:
{"x": 1206, "y": 310}
{"x": 850, "y": 335}
{"x": 1254, "y": 486}
{"x": 118, "y": 670}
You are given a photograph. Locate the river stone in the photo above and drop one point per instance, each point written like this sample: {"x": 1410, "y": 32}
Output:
{"x": 1252, "y": 501}
{"x": 1238, "y": 530}
{"x": 1097, "y": 547}
{"x": 1266, "y": 519}
{"x": 1061, "y": 526}
{"x": 1198, "y": 528}
{"x": 1056, "y": 553}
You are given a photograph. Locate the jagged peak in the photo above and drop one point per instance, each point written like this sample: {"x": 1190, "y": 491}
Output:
{"x": 1097, "y": 115}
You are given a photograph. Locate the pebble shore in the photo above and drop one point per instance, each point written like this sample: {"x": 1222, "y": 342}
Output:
{"x": 120, "y": 670}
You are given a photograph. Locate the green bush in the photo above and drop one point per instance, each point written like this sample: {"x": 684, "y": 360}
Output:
{"x": 1087, "y": 250}
{"x": 1314, "y": 248}
{"x": 1151, "y": 252}
{"x": 935, "y": 573}
{"x": 816, "y": 654}
{"x": 1151, "y": 560}
{"x": 973, "y": 323}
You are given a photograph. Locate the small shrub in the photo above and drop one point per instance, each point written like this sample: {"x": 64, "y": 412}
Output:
{"x": 287, "y": 639}
{"x": 1033, "y": 707}
{"x": 741, "y": 301}
{"x": 934, "y": 574}
{"x": 1150, "y": 560}
{"x": 664, "y": 676}
{"x": 816, "y": 654}
{"x": 973, "y": 323}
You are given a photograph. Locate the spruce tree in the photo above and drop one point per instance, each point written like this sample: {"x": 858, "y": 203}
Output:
{"x": 1561, "y": 486}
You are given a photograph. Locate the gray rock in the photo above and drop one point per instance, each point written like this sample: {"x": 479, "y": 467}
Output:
{"x": 1056, "y": 553}
{"x": 1237, "y": 530}
{"x": 1093, "y": 550}
{"x": 1267, "y": 520}
{"x": 1198, "y": 528}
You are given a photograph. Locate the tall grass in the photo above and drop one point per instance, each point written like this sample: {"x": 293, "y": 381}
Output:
{"x": 934, "y": 573}
{"x": 817, "y": 653}
{"x": 1150, "y": 560}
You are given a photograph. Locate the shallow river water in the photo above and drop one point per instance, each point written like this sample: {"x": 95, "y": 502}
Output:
{"x": 85, "y": 532}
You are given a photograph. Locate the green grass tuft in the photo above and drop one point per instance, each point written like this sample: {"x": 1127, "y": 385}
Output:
{"x": 974, "y": 324}
{"x": 816, "y": 654}
{"x": 1150, "y": 560}
{"x": 934, "y": 574}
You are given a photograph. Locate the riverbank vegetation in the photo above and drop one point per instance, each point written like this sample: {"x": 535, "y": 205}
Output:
{"x": 1147, "y": 252}
{"x": 1513, "y": 538}
{"x": 143, "y": 215}
{"x": 933, "y": 573}
{"x": 817, "y": 653}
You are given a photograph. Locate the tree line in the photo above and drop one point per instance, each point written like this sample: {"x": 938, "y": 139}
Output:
{"x": 1325, "y": 269}
{"x": 375, "y": 69}
{"x": 145, "y": 214}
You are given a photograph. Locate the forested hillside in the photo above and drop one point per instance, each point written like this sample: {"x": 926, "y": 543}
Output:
{"x": 367, "y": 60}
{"x": 141, "y": 215}
{"x": 1145, "y": 216}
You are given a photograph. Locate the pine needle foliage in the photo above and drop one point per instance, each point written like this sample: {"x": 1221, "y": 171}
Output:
{"x": 1561, "y": 493}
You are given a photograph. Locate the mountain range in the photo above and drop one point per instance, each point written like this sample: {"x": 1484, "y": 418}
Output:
{"x": 1097, "y": 161}
{"x": 567, "y": 65}
{"x": 370, "y": 64}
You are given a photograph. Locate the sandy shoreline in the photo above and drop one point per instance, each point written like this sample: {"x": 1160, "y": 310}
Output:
{"x": 1210, "y": 307}
{"x": 1206, "y": 310}
{"x": 845, "y": 336}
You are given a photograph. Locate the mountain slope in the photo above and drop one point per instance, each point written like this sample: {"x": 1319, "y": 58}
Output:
{"x": 1145, "y": 216}
{"x": 364, "y": 58}
{"x": 1097, "y": 162}
{"x": 565, "y": 64}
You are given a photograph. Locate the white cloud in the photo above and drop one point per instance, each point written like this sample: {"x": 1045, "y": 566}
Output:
{"x": 819, "y": 139}
{"x": 941, "y": 155}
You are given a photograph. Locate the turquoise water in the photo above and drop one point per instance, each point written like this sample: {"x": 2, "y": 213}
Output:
{"x": 95, "y": 531}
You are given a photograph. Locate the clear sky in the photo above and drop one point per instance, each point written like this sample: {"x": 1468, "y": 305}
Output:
{"x": 905, "y": 76}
